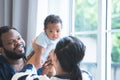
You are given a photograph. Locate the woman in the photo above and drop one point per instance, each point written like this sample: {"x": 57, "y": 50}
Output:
{"x": 66, "y": 57}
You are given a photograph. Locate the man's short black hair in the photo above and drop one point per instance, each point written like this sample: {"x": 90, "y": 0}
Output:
{"x": 4, "y": 29}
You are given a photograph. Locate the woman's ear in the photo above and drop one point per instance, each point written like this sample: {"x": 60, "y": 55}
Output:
{"x": 53, "y": 56}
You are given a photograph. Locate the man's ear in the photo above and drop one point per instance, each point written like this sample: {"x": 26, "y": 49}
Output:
{"x": 1, "y": 50}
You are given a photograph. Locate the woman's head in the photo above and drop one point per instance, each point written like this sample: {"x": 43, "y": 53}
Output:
{"x": 69, "y": 52}
{"x": 53, "y": 26}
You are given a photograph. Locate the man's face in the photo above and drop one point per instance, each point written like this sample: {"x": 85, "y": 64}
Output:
{"x": 13, "y": 45}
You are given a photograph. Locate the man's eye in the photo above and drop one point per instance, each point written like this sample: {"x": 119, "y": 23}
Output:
{"x": 11, "y": 42}
{"x": 19, "y": 38}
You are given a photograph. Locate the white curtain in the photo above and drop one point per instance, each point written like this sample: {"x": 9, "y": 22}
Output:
{"x": 22, "y": 15}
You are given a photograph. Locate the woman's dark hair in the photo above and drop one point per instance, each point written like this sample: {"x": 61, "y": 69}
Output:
{"x": 4, "y": 29}
{"x": 52, "y": 19}
{"x": 70, "y": 51}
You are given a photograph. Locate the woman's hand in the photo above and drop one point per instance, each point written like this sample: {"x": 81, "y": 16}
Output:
{"x": 48, "y": 68}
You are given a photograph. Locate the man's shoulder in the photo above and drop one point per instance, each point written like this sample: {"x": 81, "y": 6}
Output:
{"x": 3, "y": 61}
{"x": 2, "y": 57}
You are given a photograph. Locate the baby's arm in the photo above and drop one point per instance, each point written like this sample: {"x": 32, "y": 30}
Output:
{"x": 38, "y": 56}
{"x": 35, "y": 59}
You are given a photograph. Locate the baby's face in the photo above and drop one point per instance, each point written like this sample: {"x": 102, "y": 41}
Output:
{"x": 53, "y": 30}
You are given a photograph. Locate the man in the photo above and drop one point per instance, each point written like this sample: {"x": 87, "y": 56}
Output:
{"x": 12, "y": 58}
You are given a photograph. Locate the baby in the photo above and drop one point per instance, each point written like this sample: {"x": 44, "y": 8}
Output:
{"x": 46, "y": 41}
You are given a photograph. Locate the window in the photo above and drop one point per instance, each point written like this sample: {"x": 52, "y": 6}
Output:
{"x": 85, "y": 28}
{"x": 115, "y": 34}
{"x": 97, "y": 23}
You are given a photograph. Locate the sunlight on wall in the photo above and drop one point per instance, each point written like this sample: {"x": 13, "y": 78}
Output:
{"x": 41, "y": 15}
{"x": 46, "y": 7}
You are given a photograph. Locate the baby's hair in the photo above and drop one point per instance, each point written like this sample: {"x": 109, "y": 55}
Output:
{"x": 52, "y": 19}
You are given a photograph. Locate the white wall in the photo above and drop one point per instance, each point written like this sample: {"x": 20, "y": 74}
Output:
{"x": 47, "y": 7}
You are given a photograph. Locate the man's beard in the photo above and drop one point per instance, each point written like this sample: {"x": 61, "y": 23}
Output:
{"x": 13, "y": 55}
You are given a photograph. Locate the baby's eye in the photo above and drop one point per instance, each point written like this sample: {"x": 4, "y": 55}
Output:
{"x": 51, "y": 31}
{"x": 58, "y": 31}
